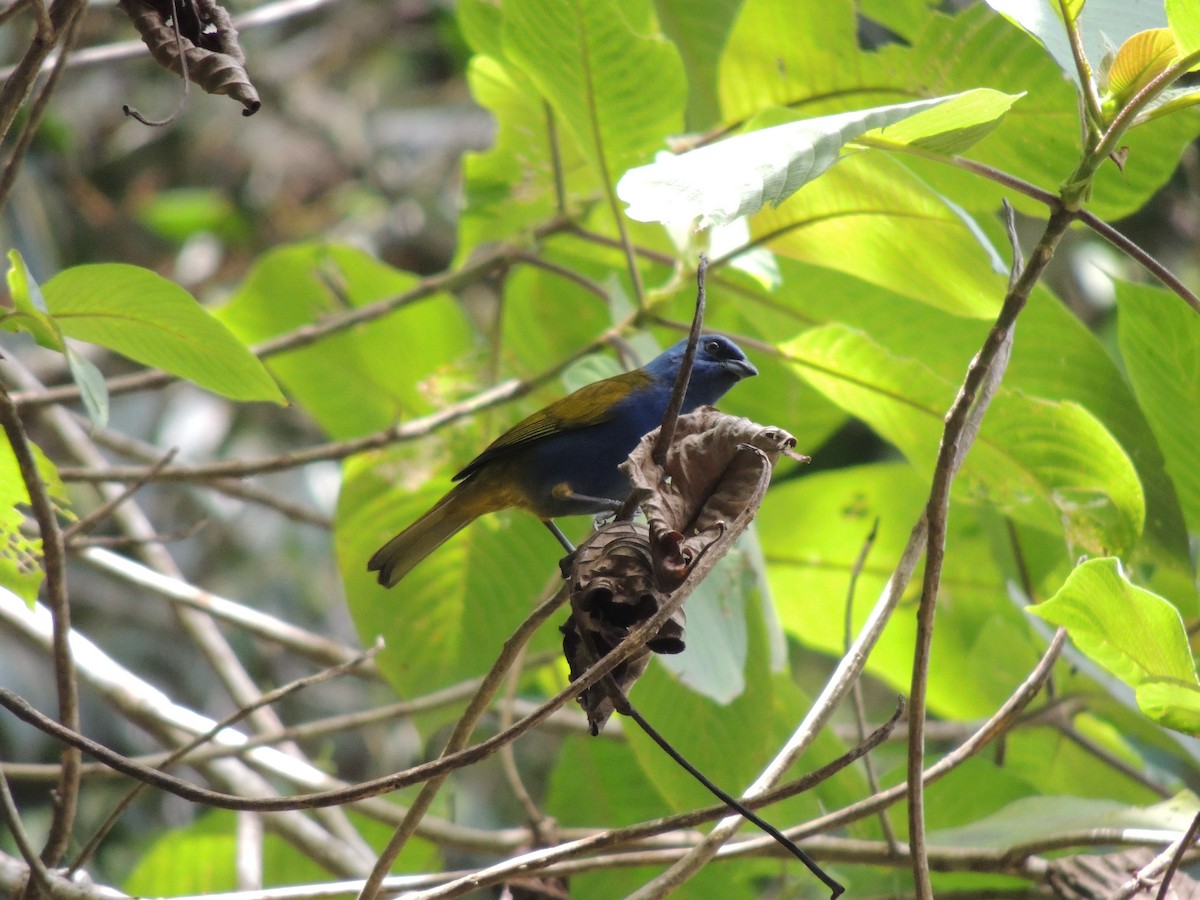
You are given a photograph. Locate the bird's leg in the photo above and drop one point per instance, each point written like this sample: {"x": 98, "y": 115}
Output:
{"x": 557, "y": 532}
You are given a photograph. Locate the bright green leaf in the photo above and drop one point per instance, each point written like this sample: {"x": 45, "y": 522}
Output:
{"x": 1184, "y": 17}
{"x": 29, "y": 306}
{"x": 359, "y": 380}
{"x": 1174, "y": 704}
{"x": 699, "y": 29}
{"x": 593, "y": 68}
{"x": 1134, "y": 634}
{"x": 1049, "y": 464}
{"x": 871, "y": 218}
{"x": 950, "y": 127}
{"x": 147, "y": 318}
{"x": 178, "y": 214}
{"x": 1103, "y": 24}
{"x": 743, "y": 174}
{"x": 812, "y": 530}
{"x": 1160, "y": 344}
{"x": 20, "y": 555}
{"x": 1141, "y": 59}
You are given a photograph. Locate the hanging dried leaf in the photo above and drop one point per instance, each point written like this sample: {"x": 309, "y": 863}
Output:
{"x": 612, "y": 594}
{"x": 215, "y": 61}
{"x": 716, "y": 473}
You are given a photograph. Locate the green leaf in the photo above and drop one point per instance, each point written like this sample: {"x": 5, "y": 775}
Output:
{"x": 200, "y": 858}
{"x": 1141, "y": 59}
{"x": 29, "y": 311}
{"x": 21, "y": 556}
{"x": 92, "y": 389}
{"x": 812, "y": 530}
{"x": 153, "y": 321}
{"x": 870, "y": 217}
{"x": 178, "y": 214}
{"x": 1103, "y": 24}
{"x": 714, "y": 663}
{"x": 950, "y": 127}
{"x": 743, "y": 174}
{"x": 1159, "y": 338}
{"x": 1184, "y": 18}
{"x": 699, "y": 29}
{"x": 1051, "y": 465}
{"x": 355, "y": 381}
{"x": 593, "y": 67}
{"x": 1175, "y": 704}
{"x": 1134, "y": 634}
{"x": 511, "y": 186}
{"x": 450, "y": 616}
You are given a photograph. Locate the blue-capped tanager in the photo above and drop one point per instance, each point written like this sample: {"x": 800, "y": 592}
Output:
{"x": 563, "y": 459}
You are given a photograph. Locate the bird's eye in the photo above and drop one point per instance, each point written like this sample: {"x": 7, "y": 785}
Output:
{"x": 713, "y": 346}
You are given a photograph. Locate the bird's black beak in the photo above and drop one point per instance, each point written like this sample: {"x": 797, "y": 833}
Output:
{"x": 742, "y": 368}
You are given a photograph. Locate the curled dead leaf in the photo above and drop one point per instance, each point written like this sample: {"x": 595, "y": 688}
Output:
{"x": 215, "y": 61}
{"x": 716, "y": 473}
{"x": 625, "y": 572}
{"x": 612, "y": 594}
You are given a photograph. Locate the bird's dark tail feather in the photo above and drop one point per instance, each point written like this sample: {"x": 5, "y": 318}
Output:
{"x": 451, "y": 514}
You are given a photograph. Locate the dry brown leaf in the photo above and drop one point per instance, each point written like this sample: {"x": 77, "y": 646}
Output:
{"x": 612, "y": 594}
{"x": 625, "y": 572}
{"x": 716, "y": 473}
{"x": 215, "y": 61}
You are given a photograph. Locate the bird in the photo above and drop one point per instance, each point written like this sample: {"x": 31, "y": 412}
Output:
{"x": 563, "y": 459}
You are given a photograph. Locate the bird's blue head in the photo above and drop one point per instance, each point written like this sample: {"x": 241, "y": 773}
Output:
{"x": 720, "y": 364}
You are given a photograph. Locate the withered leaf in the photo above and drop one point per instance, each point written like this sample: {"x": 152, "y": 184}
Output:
{"x": 612, "y": 594}
{"x": 625, "y": 572}
{"x": 715, "y": 476}
{"x": 215, "y": 61}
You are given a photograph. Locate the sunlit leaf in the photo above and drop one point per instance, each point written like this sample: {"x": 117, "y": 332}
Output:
{"x": 357, "y": 380}
{"x": 154, "y": 321}
{"x": 1184, "y": 17}
{"x": 1103, "y": 25}
{"x": 29, "y": 311}
{"x": 1049, "y": 464}
{"x": 1141, "y": 59}
{"x": 593, "y": 67}
{"x": 742, "y": 174}
{"x": 21, "y": 555}
{"x": 1133, "y": 633}
{"x": 1160, "y": 344}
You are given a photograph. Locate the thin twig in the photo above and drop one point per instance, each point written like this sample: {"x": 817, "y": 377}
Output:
{"x": 463, "y": 728}
{"x": 666, "y": 430}
{"x": 38, "y": 109}
{"x": 183, "y": 71}
{"x": 54, "y": 560}
{"x": 860, "y": 712}
{"x": 12, "y": 817}
{"x": 539, "y": 823}
{"x": 1094, "y": 116}
{"x": 1183, "y": 845}
{"x": 100, "y": 513}
{"x": 179, "y": 753}
{"x": 318, "y": 648}
{"x": 966, "y": 413}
